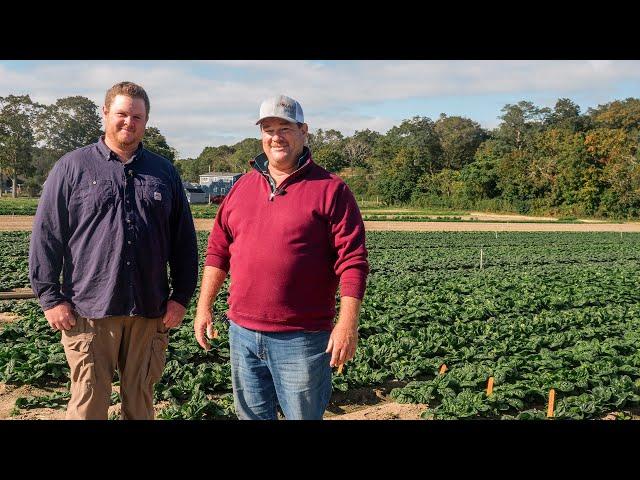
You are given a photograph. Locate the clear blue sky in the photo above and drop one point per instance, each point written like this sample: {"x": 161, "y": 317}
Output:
{"x": 209, "y": 103}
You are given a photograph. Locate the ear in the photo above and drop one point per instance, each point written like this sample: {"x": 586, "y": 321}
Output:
{"x": 104, "y": 110}
{"x": 305, "y": 128}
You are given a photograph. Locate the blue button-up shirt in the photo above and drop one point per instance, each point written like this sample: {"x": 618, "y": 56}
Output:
{"x": 111, "y": 228}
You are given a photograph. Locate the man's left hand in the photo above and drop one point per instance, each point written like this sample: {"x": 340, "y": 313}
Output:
{"x": 342, "y": 344}
{"x": 174, "y": 315}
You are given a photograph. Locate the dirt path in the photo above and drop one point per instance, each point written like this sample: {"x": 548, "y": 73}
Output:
{"x": 22, "y": 222}
{"x": 508, "y": 217}
{"x": 359, "y": 404}
{"x": 10, "y": 393}
{"x": 7, "y": 318}
{"x": 500, "y": 227}
{"x": 384, "y": 411}
{"x": 10, "y": 223}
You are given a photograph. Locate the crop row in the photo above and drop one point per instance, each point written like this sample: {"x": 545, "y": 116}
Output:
{"x": 531, "y": 324}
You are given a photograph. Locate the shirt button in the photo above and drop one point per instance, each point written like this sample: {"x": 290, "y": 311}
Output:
{"x": 94, "y": 182}
{"x": 128, "y": 263}
{"x": 128, "y": 221}
{"x": 129, "y": 242}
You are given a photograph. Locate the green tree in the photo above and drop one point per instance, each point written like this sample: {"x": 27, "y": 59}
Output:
{"x": 331, "y": 157}
{"x": 367, "y": 136}
{"x": 243, "y": 152}
{"x": 624, "y": 114}
{"x": 419, "y": 136}
{"x": 358, "y": 179}
{"x": 68, "y": 124}
{"x": 356, "y": 152}
{"x": 513, "y": 180}
{"x": 445, "y": 183}
{"x": 558, "y": 170}
{"x": 480, "y": 177}
{"x": 398, "y": 180}
{"x": 155, "y": 142}
{"x": 42, "y": 161}
{"x": 215, "y": 159}
{"x": 324, "y": 137}
{"x": 17, "y": 117}
{"x": 613, "y": 154}
{"x": 519, "y": 122}
{"x": 359, "y": 149}
{"x": 459, "y": 139}
{"x": 566, "y": 115}
{"x": 188, "y": 169}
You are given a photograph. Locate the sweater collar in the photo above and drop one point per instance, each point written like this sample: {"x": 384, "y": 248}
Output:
{"x": 261, "y": 162}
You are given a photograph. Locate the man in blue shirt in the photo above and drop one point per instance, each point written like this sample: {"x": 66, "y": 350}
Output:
{"x": 112, "y": 215}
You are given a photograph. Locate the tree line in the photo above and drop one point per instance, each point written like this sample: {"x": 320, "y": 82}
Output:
{"x": 537, "y": 160}
{"x": 33, "y": 136}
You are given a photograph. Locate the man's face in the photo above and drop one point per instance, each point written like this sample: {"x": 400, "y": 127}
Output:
{"x": 282, "y": 141}
{"x": 125, "y": 121}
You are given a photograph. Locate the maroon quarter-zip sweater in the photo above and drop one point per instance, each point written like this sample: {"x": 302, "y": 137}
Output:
{"x": 288, "y": 250}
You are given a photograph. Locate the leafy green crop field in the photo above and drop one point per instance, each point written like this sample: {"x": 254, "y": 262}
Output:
{"x": 28, "y": 206}
{"x": 18, "y": 206}
{"x": 546, "y": 310}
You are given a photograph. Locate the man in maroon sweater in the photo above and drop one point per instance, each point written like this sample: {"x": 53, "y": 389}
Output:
{"x": 289, "y": 233}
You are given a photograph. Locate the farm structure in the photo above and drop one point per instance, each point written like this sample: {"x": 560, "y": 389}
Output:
{"x": 218, "y": 183}
{"x": 195, "y": 194}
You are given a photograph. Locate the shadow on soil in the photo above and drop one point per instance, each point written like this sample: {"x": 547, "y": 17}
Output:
{"x": 357, "y": 398}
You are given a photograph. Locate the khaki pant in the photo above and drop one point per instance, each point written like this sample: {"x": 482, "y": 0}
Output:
{"x": 136, "y": 346}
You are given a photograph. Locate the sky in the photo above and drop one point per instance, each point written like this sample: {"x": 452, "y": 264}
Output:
{"x": 196, "y": 104}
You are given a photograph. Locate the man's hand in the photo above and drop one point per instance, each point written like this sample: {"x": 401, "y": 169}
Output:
{"x": 212, "y": 280}
{"x": 342, "y": 343}
{"x": 202, "y": 322}
{"x": 174, "y": 314}
{"x": 344, "y": 337}
{"x": 60, "y": 317}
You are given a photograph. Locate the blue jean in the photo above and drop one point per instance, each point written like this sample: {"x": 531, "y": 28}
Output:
{"x": 286, "y": 368}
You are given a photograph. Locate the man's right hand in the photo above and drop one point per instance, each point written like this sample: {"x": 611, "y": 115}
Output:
{"x": 203, "y": 319}
{"x": 60, "y": 317}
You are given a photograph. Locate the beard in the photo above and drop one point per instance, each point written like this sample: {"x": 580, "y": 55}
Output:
{"x": 127, "y": 145}
{"x": 126, "y": 142}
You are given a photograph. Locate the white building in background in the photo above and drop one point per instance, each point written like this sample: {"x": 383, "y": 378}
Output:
{"x": 218, "y": 183}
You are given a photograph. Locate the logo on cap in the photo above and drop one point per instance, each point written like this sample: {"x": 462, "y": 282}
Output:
{"x": 289, "y": 109}
{"x": 281, "y": 106}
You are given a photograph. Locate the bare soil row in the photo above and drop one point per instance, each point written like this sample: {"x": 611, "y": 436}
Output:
{"x": 23, "y": 222}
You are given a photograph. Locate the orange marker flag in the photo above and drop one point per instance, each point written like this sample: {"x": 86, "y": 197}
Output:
{"x": 552, "y": 400}
{"x": 443, "y": 368}
{"x": 490, "y": 386}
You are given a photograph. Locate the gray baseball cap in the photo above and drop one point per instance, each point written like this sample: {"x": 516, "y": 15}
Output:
{"x": 283, "y": 107}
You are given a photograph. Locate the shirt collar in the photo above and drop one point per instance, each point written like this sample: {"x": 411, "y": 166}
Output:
{"x": 107, "y": 153}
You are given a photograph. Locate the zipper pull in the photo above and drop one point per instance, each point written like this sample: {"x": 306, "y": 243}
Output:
{"x": 273, "y": 194}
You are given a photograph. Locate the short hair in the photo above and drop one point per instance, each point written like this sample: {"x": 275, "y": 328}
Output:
{"x": 128, "y": 89}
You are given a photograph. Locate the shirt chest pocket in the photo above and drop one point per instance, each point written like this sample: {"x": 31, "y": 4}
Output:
{"x": 94, "y": 196}
{"x": 156, "y": 197}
